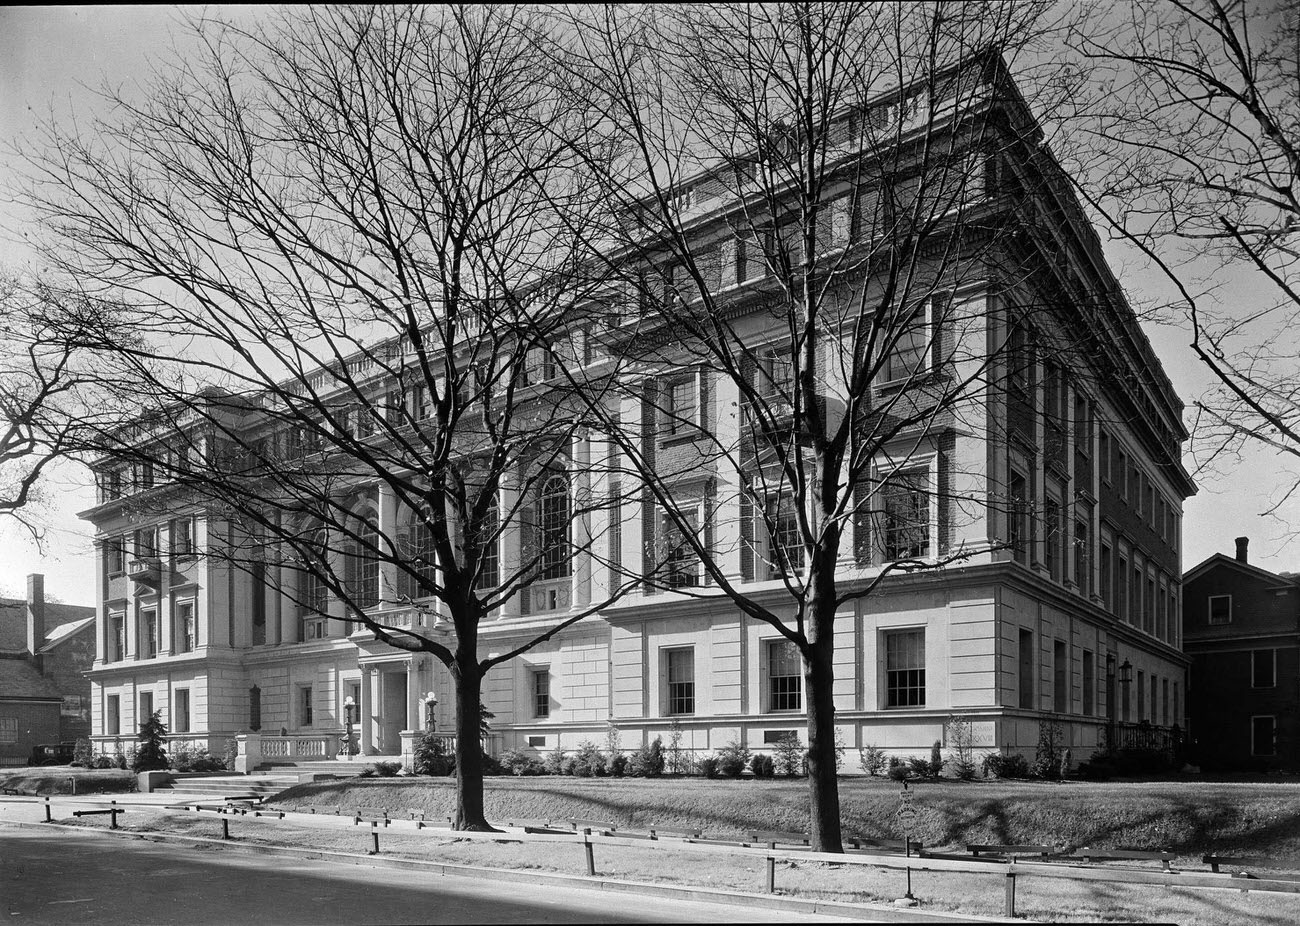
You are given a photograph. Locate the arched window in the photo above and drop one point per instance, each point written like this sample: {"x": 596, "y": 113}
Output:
{"x": 416, "y": 580}
{"x": 489, "y": 571}
{"x": 315, "y": 594}
{"x": 553, "y": 526}
{"x": 363, "y": 567}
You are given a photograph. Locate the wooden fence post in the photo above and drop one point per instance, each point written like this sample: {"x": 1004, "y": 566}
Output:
{"x": 48, "y": 817}
{"x": 590, "y": 852}
{"x": 1011, "y": 892}
{"x": 374, "y": 836}
{"x": 770, "y": 886}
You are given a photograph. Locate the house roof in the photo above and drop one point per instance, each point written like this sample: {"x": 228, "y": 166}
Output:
{"x": 65, "y": 632}
{"x": 13, "y": 622}
{"x": 1221, "y": 559}
{"x": 19, "y": 679}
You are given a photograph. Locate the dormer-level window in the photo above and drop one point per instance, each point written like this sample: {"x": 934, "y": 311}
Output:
{"x": 1220, "y": 609}
{"x": 682, "y": 408}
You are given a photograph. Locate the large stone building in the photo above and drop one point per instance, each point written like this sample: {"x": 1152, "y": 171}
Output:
{"x": 1241, "y": 629}
{"x": 1063, "y": 605}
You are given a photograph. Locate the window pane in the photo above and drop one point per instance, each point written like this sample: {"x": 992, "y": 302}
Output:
{"x": 681, "y": 681}
{"x": 907, "y": 516}
{"x": 905, "y": 668}
{"x": 542, "y": 693}
{"x": 785, "y": 676}
{"x": 553, "y": 527}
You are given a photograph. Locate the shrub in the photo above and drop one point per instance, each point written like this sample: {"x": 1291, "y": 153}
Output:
{"x": 918, "y": 767}
{"x": 387, "y": 769}
{"x": 936, "y": 760}
{"x": 569, "y": 765}
{"x": 872, "y": 760}
{"x": 613, "y": 750}
{"x": 367, "y": 772}
{"x": 554, "y": 762}
{"x": 230, "y": 754}
{"x": 430, "y": 757}
{"x": 102, "y": 761}
{"x": 188, "y": 758}
{"x": 518, "y": 762}
{"x": 839, "y": 750}
{"x": 589, "y": 762}
{"x": 82, "y": 754}
{"x": 961, "y": 740}
{"x": 732, "y": 759}
{"x": 762, "y": 766}
{"x": 898, "y": 769}
{"x": 997, "y": 765}
{"x": 618, "y": 766}
{"x": 709, "y": 766}
{"x": 679, "y": 762}
{"x": 648, "y": 761}
{"x": 150, "y": 755}
{"x": 1047, "y": 757}
{"x": 122, "y": 760}
{"x": 789, "y": 755}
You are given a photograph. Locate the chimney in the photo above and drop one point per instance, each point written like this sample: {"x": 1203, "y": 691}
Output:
{"x": 35, "y": 612}
{"x": 1242, "y": 543}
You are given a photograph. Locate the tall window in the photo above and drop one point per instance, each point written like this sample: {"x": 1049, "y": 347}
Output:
{"x": 255, "y": 708}
{"x": 304, "y": 706}
{"x": 1154, "y": 688}
{"x": 682, "y": 412}
{"x": 1060, "y": 678}
{"x": 149, "y": 631}
{"x": 116, "y": 637}
{"x": 1162, "y": 610}
{"x": 146, "y": 707}
{"x": 115, "y": 556}
{"x": 1142, "y": 695}
{"x": 314, "y": 594}
{"x": 1164, "y": 701}
{"x": 146, "y": 542}
{"x": 1028, "y": 688}
{"x": 541, "y": 693}
{"x": 1052, "y": 515}
{"x": 907, "y": 516}
{"x": 778, "y": 376}
{"x": 363, "y": 579}
{"x": 1107, "y": 587}
{"x": 113, "y": 715}
{"x": 680, "y": 559}
{"x": 679, "y": 668}
{"x": 1121, "y": 587}
{"x": 784, "y": 676}
{"x": 912, "y": 332}
{"x": 187, "y": 626}
{"x": 1220, "y": 609}
{"x": 553, "y": 526}
{"x": 181, "y": 720}
{"x": 1263, "y": 736}
{"x": 489, "y": 571}
{"x": 1018, "y": 513}
{"x": 905, "y": 668}
{"x": 1263, "y": 668}
{"x": 786, "y": 540}
{"x": 182, "y": 537}
{"x": 1089, "y": 683}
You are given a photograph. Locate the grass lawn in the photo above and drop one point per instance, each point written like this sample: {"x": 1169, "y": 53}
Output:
{"x": 58, "y": 779}
{"x": 1190, "y": 818}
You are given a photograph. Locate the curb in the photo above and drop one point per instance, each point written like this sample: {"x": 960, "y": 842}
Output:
{"x": 863, "y": 912}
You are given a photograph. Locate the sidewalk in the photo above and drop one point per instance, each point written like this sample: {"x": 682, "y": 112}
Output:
{"x": 144, "y": 810}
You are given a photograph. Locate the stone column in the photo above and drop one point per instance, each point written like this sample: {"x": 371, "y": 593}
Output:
{"x": 600, "y": 519}
{"x": 633, "y": 558}
{"x": 580, "y": 491}
{"x": 511, "y": 537}
{"x": 726, "y": 510}
{"x": 102, "y": 629}
{"x": 366, "y": 713}
{"x": 287, "y": 580}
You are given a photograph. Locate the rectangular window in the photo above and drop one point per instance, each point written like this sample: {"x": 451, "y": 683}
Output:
{"x": 1164, "y": 701}
{"x": 1142, "y": 695}
{"x": 8, "y": 731}
{"x": 149, "y": 632}
{"x": 784, "y": 676}
{"x": 1107, "y": 587}
{"x": 683, "y": 405}
{"x": 910, "y": 331}
{"x": 1103, "y": 454}
{"x": 1263, "y": 668}
{"x": 905, "y": 668}
{"x": 1178, "y": 717}
{"x": 489, "y": 570}
{"x": 1263, "y": 736}
{"x": 1220, "y": 609}
{"x": 1162, "y": 609}
{"x": 304, "y": 706}
{"x": 1052, "y": 517}
{"x": 1082, "y": 558}
{"x": 182, "y": 537}
{"x": 787, "y": 548}
{"x": 907, "y": 516}
{"x": 679, "y": 671}
{"x": 187, "y": 626}
{"x": 1121, "y": 588}
{"x": 777, "y": 384}
{"x": 1089, "y": 683}
{"x": 115, "y": 556}
{"x": 181, "y": 720}
{"x": 1121, "y": 464}
{"x": 1154, "y": 689}
{"x": 116, "y": 637}
{"x": 1018, "y": 513}
{"x": 146, "y": 707}
{"x": 1026, "y": 657}
{"x": 1060, "y": 678}
{"x": 146, "y": 542}
{"x": 541, "y": 693}
{"x": 680, "y": 558}
{"x": 113, "y": 715}
{"x": 146, "y": 475}
{"x": 1139, "y": 616}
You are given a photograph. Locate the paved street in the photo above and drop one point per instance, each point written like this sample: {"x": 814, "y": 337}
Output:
{"x": 60, "y": 877}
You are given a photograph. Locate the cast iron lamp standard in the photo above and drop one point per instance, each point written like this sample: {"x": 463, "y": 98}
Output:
{"x": 430, "y": 702}
{"x": 348, "y": 707}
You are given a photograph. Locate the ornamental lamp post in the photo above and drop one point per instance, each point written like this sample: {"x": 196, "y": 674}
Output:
{"x": 349, "y": 706}
{"x": 430, "y": 702}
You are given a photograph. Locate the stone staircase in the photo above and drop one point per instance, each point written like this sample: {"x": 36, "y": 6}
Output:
{"x": 228, "y": 787}
{"x": 308, "y": 769}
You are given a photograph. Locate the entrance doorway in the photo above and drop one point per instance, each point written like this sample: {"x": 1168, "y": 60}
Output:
{"x": 392, "y": 717}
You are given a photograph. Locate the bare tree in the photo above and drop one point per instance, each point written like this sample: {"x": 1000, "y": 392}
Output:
{"x": 43, "y": 388}
{"x": 1192, "y": 153}
{"x": 807, "y": 215}
{"x": 340, "y": 235}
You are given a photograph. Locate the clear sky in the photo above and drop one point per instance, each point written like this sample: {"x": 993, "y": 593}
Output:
{"x": 48, "y": 55}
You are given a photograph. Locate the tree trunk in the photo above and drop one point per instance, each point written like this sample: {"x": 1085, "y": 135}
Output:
{"x": 819, "y": 684}
{"x": 469, "y": 751}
